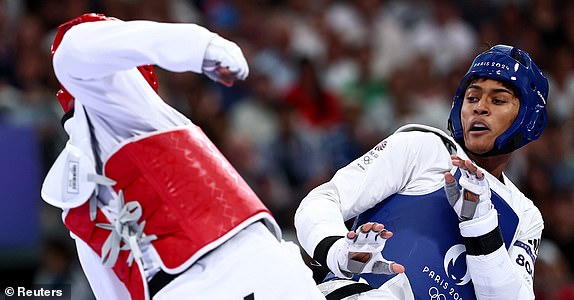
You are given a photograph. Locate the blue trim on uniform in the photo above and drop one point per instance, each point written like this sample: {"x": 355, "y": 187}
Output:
{"x": 526, "y": 248}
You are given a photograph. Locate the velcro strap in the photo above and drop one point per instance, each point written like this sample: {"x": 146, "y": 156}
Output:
{"x": 320, "y": 253}
{"x": 484, "y": 244}
{"x": 355, "y": 266}
{"x": 348, "y": 290}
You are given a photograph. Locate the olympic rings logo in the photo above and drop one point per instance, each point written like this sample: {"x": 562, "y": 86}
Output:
{"x": 435, "y": 294}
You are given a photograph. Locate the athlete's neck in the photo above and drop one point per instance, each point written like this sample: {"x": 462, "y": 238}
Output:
{"x": 495, "y": 165}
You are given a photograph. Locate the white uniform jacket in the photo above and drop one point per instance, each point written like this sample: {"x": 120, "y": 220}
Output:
{"x": 400, "y": 183}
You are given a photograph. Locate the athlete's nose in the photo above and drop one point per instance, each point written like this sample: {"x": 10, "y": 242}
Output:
{"x": 481, "y": 107}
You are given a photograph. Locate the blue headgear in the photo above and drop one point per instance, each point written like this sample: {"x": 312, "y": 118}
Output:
{"x": 514, "y": 66}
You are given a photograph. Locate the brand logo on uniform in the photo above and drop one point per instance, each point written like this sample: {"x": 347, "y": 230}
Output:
{"x": 445, "y": 285}
{"x": 450, "y": 258}
{"x": 370, "y": 156}
{"x": 72, "y": 185}
{"x": 435, "y": 294}
{"x": 381, "y": 146}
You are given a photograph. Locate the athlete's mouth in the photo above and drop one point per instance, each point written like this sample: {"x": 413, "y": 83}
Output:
{"x": 477, "y": 126}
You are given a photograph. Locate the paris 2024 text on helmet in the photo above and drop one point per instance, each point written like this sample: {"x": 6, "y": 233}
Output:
{"x": 514, "y": 66}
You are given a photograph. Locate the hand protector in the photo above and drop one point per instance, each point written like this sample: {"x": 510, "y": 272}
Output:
{"x": 473, "y": 200}
{"x": 369, "y": 243}
{"x": 222, "y": 53}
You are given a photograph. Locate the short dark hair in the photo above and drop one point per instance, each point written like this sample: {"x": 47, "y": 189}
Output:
{"x": 506, "y": 84}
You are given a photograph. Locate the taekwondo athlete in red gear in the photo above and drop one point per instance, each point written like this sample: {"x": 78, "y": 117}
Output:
{"x": 438, "y": 205}
{"x": 155, "y": 209}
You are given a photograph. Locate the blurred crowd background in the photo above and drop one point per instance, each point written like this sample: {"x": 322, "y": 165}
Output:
{"x": 328, "y": 81}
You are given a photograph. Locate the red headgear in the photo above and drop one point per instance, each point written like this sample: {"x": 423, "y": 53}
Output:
{"x": 66, "y": 99}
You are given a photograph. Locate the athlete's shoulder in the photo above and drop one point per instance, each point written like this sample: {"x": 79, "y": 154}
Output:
{"x": 524, "y": 206}
{"x": 425, "y": 136}
{"x": 413, "y": 127}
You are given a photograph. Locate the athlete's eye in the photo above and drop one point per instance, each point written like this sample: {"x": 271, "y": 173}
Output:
{"x": 498, "y": 101}
{"x": 472, "y": 99}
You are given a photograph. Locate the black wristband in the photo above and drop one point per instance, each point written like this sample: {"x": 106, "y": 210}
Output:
{"x": 484, "y": 244}
{"x": 320, "y": 254}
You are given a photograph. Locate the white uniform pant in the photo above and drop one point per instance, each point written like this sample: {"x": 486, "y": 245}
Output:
{"x": 251, "y": 265}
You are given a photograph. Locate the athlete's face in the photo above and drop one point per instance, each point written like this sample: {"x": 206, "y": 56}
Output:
{"x": 488, "y": 109}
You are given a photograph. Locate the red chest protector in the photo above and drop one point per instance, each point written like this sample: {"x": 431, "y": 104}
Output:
{"x": 191, "y": 199}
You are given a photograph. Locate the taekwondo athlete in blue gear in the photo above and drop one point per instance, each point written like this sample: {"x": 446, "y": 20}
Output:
{"x": 460, "y": 228}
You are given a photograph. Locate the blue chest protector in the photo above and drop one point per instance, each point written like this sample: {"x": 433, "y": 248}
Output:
{"x": 428, "y": 243}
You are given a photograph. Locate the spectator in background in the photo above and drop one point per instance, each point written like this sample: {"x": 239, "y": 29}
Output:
{"x": 368, "y": 22}
{"x": 428, "y": 94}
{"x": 296, "y": 155}
{"x": 560, "y": 224}
{"x": 445, "y": 37}
{"x": 561, "y": 81}
{"x": 275, "y": 57}
{"x": 552, "y": 272}
{"x": 59, "y": 269}
{"x": 318, "y": 107}
{"x": 28, "y": 102}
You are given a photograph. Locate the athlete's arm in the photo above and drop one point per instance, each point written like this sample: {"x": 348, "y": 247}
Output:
{"x": 395, "y": 165}
{"x": 509, "y": 274}
{"x": 96, "y": 62}
{"x": 98, "y": 49}
{"x": 496, "y": 273}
